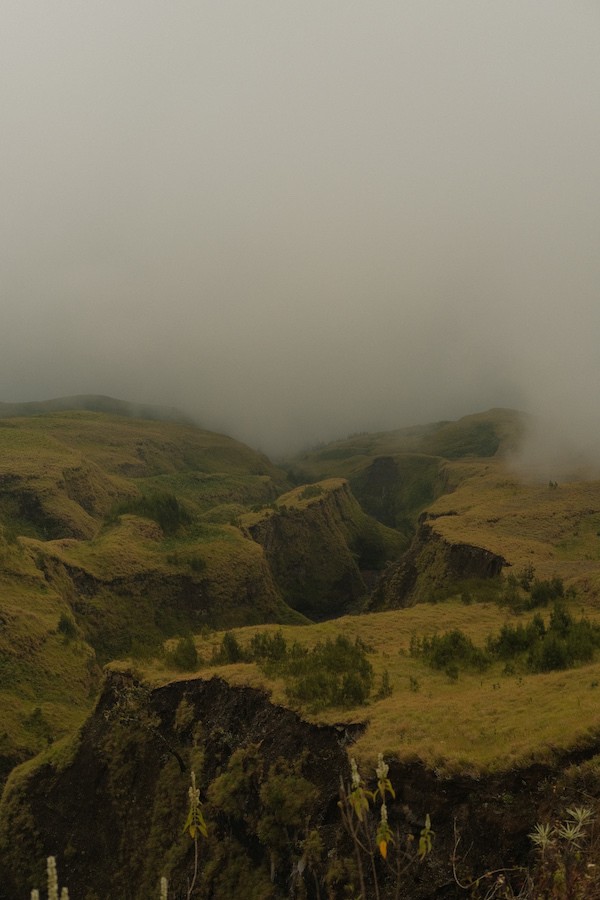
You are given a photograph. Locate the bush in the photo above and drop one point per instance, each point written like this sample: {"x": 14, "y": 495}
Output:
{"x": 184, "y": 655}
{"x": 449, "y": 651}
{"x": 543, "y": 592}
{"x": 385, "y": 686}
{"x": 233, "y": 792}
{"x": 67, "y": 627}
{"x": 230, "y": 651}
{"x": 334, "y": 673}
{"x": 563, "y": 643}
{"x": 197, "y": 564}
{"x": 263, "y": 646}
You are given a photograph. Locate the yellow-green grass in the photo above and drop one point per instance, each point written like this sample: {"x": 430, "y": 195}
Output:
{"x": 62, "y": 474}
{"x": 143, "y": 447}
{"x": 55, "y": 482}
{"x": 481, "y": 722}
{"x": 342, "y": 457}
{"x": 203, "y": 491}
{"x": 557, "y": 530}
{"x": 39, "y": 667}
{"x": 135, "y": 545}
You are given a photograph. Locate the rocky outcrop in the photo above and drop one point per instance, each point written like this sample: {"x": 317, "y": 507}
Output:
{"x": 432, "y": 563}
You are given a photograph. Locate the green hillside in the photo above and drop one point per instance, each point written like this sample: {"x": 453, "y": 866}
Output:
{"x": 106, "y": 549}
{"x": 413, "y": 597}
{"x": 395, "y": 475}
{"x": 118, "y": 532}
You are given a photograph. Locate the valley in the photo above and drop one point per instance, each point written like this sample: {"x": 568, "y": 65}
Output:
{"x": 172, "y": 600}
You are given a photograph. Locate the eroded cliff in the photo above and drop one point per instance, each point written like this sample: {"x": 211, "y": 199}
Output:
{"x": 111, "y": 802}
{"x": 319, "y": 544}
{"x": 432, "y": 563}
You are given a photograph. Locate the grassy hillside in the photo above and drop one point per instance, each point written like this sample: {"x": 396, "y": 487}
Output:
{"x": 118, "y": 532}
{"x": 554, "y": 527}
{"x": 495, "y": 432}
{"x": 513, "y": 710}
{"x": 106, "y": 547}
{"x": 189, "y": 556}
{"x": 467, "y": 722}
{"x": 395, "y": 475}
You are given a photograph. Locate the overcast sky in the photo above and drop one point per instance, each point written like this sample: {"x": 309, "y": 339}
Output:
{"x": 296, "y": 219}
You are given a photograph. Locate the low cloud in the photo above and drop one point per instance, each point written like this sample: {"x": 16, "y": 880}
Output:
{"x": 300, "y": 221}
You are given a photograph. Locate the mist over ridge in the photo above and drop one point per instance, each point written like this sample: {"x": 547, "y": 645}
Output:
{"x": 297, "y": 222}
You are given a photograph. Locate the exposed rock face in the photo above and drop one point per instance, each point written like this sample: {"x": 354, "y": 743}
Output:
{"x": 431, "y": 563}
{"x": 312, "y": 552}
{"x": 111, "y": 805}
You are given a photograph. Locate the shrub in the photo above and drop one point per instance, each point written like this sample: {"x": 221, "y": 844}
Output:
{"x": 197, "y": 564}
{"x": 385, "y": 687}
{"x": 334, "y": 673}
{"x": 543, "y": 592}
{"x": 184, "y": 655}
{"x": 449, "y": 651}
{"x": 561, "y": 644}
{"x": 525, "y": 576}
{"x": 67, "y": 627}
{"x": 265, "y": 646}
{"x": 230, "y": 651}
{"x": 233, "y": 792}
{"x": 286, "y": 798}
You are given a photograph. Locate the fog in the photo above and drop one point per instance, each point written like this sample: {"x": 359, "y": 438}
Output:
{"x": 297, "y": 220}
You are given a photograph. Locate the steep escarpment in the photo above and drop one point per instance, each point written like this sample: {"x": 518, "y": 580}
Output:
{"x": 432, "y": 563}
{"x": 395, "y": 489}
{"x": 319, "y": 544}
{"x": 128, "y": 770}
{"x": 130, "y": 593}
{"x": 110, "y": 804}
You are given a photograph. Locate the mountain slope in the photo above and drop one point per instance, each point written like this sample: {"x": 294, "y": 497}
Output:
{"x": 117, "y": 533}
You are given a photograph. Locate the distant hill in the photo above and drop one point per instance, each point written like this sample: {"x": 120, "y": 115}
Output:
{"x": 94, "y": 403}
{"x": 395, "y": 475}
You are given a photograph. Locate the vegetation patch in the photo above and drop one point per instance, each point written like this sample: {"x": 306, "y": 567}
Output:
{"x": 164, "y": 509}
{"x": 334, "y": 673}
{"x": 562, "y": 643}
